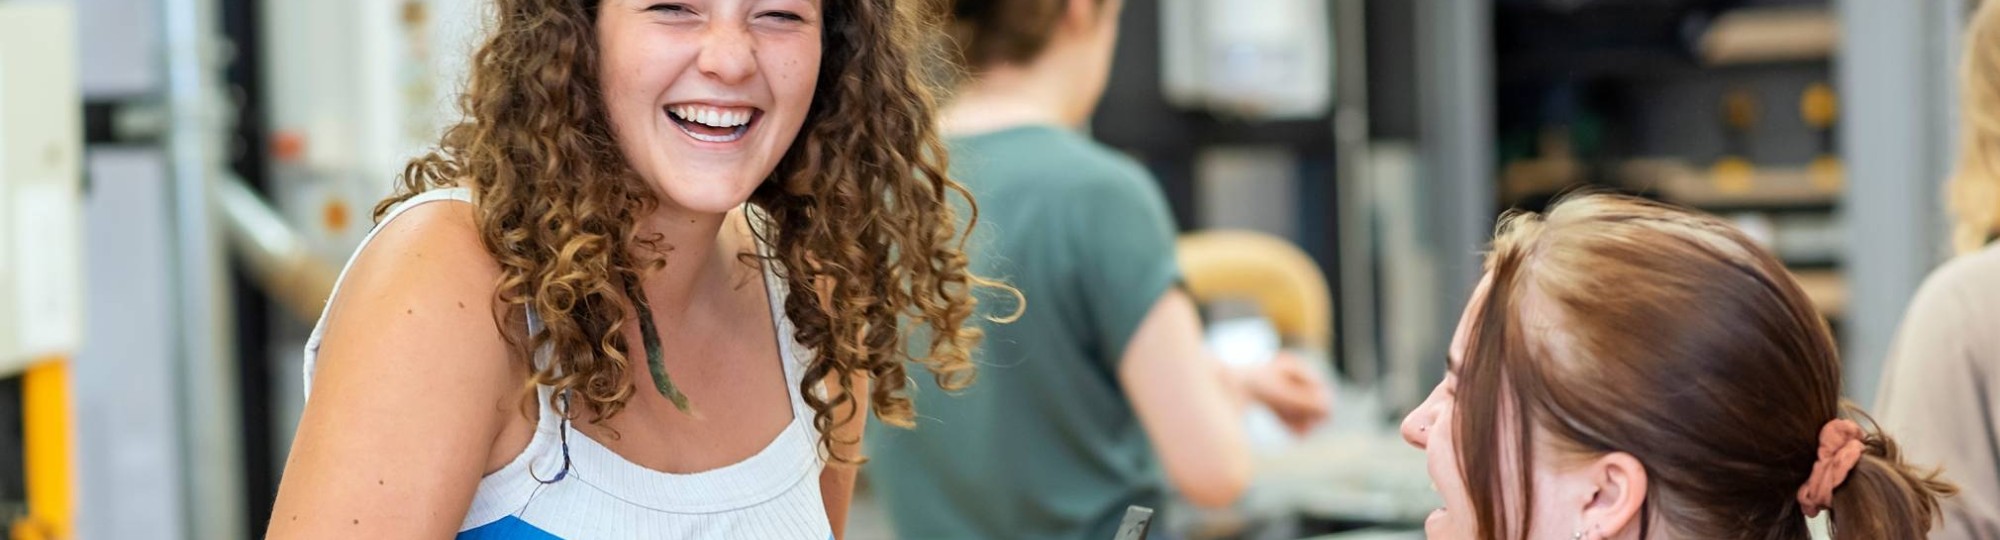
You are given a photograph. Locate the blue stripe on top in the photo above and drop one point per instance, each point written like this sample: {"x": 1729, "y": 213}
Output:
{"x": 507, "y": 528}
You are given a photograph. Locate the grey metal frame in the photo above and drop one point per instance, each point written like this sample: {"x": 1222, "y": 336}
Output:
{"x": 1355, "y": 236}
{"x": 1896, "y": 80}
{"x": 1455, "y": 119}
{"x": 1896, "y": 77}
{"x": 196, "y": 146}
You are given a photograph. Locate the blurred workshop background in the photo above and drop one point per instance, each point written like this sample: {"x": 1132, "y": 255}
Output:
{"x": 180, "y": 179}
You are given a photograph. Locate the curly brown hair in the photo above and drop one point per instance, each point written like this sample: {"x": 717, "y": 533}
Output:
{"x": 857, "y": 210}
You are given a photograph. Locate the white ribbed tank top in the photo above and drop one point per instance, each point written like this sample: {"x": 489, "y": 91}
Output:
{"x": 566, "y": 485}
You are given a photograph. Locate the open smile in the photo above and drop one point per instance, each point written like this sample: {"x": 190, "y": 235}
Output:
{"x": 714, "y": 124}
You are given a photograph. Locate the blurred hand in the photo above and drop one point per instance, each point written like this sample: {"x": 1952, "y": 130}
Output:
{"x": 1290, "y": 389}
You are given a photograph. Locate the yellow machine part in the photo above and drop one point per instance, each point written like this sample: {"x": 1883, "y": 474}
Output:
{"x": 47, "y": 434}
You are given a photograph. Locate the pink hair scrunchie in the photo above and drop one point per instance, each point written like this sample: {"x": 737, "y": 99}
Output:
{"x": 1840, "y": 447}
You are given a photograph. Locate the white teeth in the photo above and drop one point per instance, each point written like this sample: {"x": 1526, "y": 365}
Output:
{"x": 711, "y": 116}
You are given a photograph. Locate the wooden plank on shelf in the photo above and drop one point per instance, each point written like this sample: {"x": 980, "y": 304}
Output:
{"x": 1682, "y": 183}
{"x": 1775, "y": 34}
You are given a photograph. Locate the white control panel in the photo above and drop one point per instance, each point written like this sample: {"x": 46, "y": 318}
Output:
{"x": 41, "y": 145}
{"x": 356, "y": 89}
{"x": 1255, "y": 59}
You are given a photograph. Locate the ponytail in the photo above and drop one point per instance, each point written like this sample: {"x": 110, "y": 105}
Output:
{"x": 1885, "y": 497}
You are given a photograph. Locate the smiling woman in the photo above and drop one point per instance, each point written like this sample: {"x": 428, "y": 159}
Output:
{"x": 1629, "y": 370}
{"x": 747, "y": 194}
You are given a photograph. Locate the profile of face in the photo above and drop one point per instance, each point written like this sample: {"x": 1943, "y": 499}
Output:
{"x": 705, "y": 97}
{"x": 1429, "y": 428}
{"x": 1574, "y": 496}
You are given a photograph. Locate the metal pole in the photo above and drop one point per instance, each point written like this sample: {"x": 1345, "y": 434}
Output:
{"x": 1357, "y": 285}
{"x": 1895, "y": 81}
{"x": 275, "y": 254}
{"x": 196, "y": 145}
{"x": 1455, "y": 118}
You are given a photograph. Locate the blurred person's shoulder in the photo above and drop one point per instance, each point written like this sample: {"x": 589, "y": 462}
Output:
{"x": 1051, "y": 159}
{"x": 1966, "y": 288}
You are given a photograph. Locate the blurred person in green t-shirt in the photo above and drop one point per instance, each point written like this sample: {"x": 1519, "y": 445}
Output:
{"x": 1100, "y": 395}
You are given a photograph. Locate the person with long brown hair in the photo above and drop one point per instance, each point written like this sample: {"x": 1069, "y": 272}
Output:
{"x": 1100, "y": 396}
{"x": 1942, "y": 372}
{"x": 649, "y": 286}
{"x": 1629, "y": 370}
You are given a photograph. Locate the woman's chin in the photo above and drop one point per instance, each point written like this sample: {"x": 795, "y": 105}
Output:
{"x": 706, "y": 200}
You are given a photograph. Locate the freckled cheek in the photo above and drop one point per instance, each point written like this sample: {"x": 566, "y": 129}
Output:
{"x": 795, "y": 77}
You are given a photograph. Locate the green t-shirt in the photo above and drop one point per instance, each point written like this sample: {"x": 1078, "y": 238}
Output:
{"x": 1045, "y": 443}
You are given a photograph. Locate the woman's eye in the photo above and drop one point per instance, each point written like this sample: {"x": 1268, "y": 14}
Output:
{"x": 670, "y": 9}
{"x": 784, "y": 16}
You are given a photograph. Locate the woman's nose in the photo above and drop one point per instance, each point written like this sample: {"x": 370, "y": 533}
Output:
{"x": 728, "y": 55}
{"x": 1417, "y": 426}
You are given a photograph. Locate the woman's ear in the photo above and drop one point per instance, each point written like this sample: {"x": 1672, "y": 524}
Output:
{"x": 1082, "y": 16}
{"x": 1617, "y": 492}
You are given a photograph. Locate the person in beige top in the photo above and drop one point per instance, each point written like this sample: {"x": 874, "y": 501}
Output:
{"x": 1940, "y": 392}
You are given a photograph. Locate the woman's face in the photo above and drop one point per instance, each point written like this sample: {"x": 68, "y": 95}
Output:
{"x": 705, "y": 96}
{"x": 1429, "y": 428}
{"x": 1563, "y": 487}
